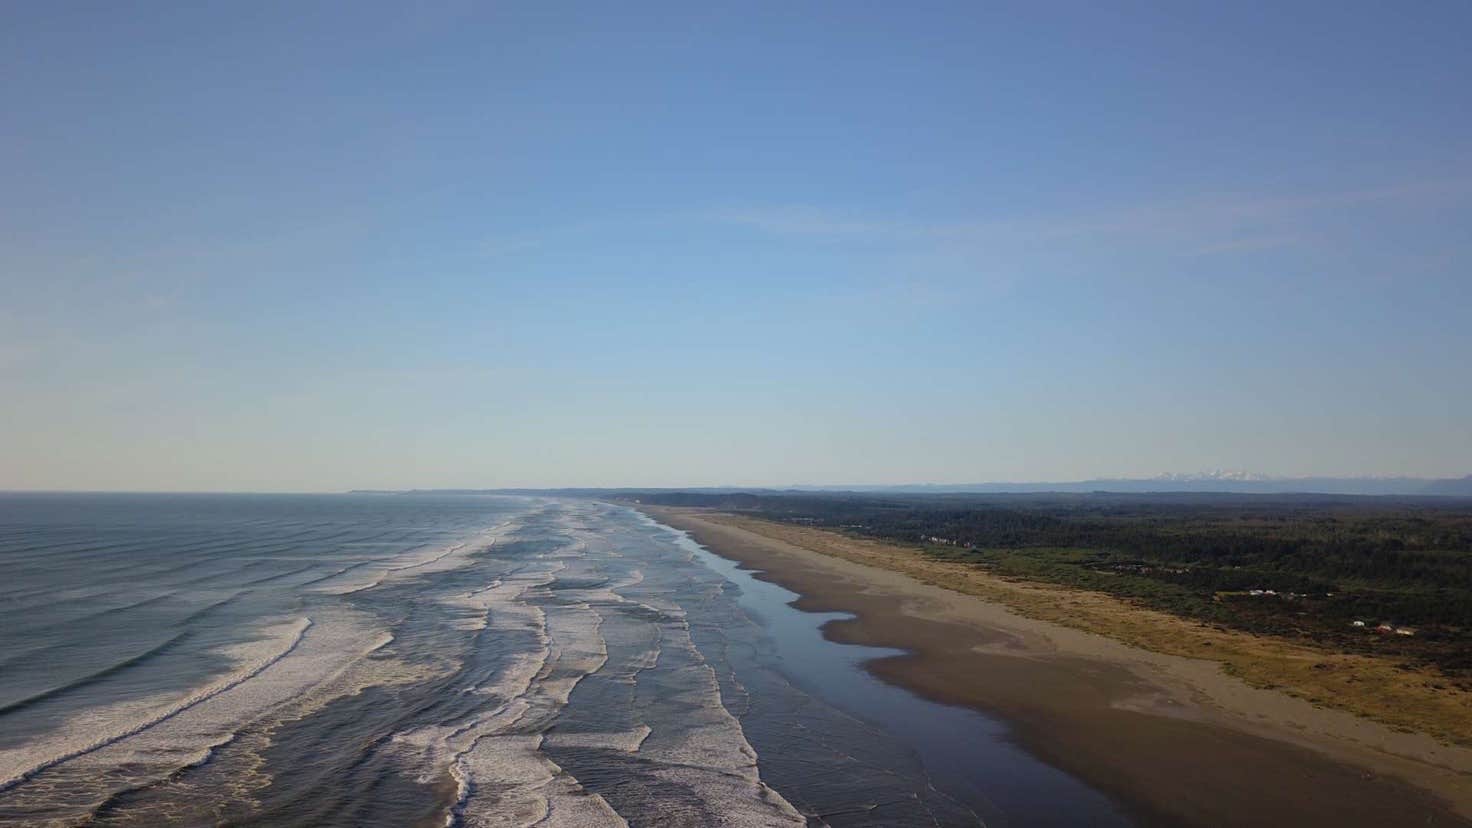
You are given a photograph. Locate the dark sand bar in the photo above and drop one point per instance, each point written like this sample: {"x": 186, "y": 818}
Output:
{"x": 1175, "y": 741}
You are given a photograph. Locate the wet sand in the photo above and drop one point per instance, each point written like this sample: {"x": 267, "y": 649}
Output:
{"x": 1174, "y": 740}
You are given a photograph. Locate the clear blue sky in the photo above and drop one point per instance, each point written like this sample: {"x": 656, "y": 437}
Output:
{"x": 304, "y": 246}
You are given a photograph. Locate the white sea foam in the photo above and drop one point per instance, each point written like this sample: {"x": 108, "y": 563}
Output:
{"x": 505, "y": 776}
{"x": 495, "y": 756}
{"x": 418, "y": 562}
{"x": 528, "y": 787}
{"x": 706, "y": 750}
{"x": 300, "y": 663}
{"x": 498, "y": 755}
{"x": 95, "y": 729}
{"x": 628, "y": 741}
{"x": 522, "y": 788}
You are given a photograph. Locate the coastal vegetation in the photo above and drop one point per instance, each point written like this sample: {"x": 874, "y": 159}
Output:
{"x": 1389, "y": 577}
{"x": 1410, "y": 695}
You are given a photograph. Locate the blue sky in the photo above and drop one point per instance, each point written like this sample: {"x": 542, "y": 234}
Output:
{"x": 319, "y": 246}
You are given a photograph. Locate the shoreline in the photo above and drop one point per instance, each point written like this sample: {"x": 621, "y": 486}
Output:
{"x": 1138, "y": 725}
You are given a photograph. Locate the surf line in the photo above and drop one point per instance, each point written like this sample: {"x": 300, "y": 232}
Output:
{"x": 302, "y": 625}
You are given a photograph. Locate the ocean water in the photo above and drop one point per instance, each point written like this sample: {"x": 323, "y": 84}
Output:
{"x": 417, "y": 660}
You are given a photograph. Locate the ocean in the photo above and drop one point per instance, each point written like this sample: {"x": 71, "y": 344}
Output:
{"x": 345, "y": 660}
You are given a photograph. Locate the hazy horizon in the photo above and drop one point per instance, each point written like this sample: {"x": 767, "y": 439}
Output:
{"x": 1187, "y": 480}
{"x": 328, "y": 247}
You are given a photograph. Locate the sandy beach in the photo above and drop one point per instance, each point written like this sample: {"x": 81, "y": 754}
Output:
{"x": 1176, "y": 740}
